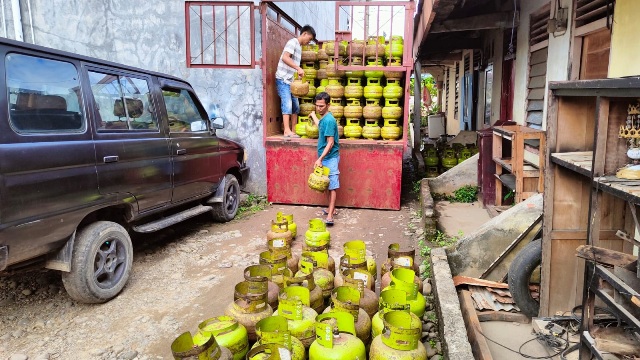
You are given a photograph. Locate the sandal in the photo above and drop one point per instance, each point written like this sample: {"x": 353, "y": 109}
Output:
{"x": 325, "y": 212}
{"x": 328, "y": 222}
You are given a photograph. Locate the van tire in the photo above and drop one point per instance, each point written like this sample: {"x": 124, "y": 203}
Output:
{"x": 227, "y": 209}
{"x": 520, "y": 270}
{"x": 104, "y": 247}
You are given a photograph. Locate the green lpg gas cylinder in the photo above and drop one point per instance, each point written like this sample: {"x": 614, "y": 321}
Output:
{"x": 353, "y": 130}
{"x": 395, "y": 47}
{"x": 353, "y": 90}
{"x": 355, "y": 257}
{"x": 393, "y": 90}
{"x": 316, "y": 300}
{"x": 275, "y": 330}
{"x": 336, "y": 338}
{"x": 464, "y": 155}
{"x": 201, "y": 346}
{"x": 373, "y": 90}
{"x": 277, "y": 263}
{"x": 250, "y": 306}
{"x": 317, "y": 263}
{"x": 301, "y": 126}
{"x": 359, "y": 279}
{"x": 317, "y": 235}
{"x": 449, "y": 159}
{"x": 291, "y": 225}
{"x": 228, "y": 333}
{"x": 353, "y": 110}
{"x": 372, "y": 62}
{"x": 294, "y": 306}
{"x": 392, "y": 109}
{"x": 375, "y": 47}
{"x": 372, "y": 110}
{"x": 280, "y": 231}
{"x": 390, "y": 300}
{"x": 347, "y": 299}
{"x": 262, "y": 274}
{"x": 404, "y": 279}
{"x": 311, "y": 129}
{"x": 431, "y": 159}
{"x": 400, "y": 340}
{"x": 336, "y": 107}
{"x": 371, "y": 130}
{"x": 306, "y": 107}
{"x": 398, "y": 257}
{"x": 331, "y": 263}
{"x": 335, "y": 89}
{"x": 432, "y": 172}
{"x": 269, "y": 352}
{"x": 322, "y": 86}
{"x": 391, "y": 130}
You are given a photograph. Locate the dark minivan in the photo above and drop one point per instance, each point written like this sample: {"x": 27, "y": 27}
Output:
{"x": 91, "y": 150}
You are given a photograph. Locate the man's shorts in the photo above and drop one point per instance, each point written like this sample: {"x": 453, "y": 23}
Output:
{"x": 288, "y": 103}
{"x": 332, "y": 164}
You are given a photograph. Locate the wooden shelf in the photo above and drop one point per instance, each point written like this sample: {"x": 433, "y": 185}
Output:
{"x": 507, "y": 180}
{"x": 579, "y": 161}
{"x": 505, "y": 163}
{"x": 513, "y": 171}
{"x": 585, "y": 204}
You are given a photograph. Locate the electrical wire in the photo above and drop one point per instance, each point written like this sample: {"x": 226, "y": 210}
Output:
{"x": 549, "y": 340}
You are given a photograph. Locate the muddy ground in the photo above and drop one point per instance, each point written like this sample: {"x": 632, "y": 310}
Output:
{"x": 181, "y": 276}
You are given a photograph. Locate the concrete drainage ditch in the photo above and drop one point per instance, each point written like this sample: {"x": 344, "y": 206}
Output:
{"x": 443, "y": 336}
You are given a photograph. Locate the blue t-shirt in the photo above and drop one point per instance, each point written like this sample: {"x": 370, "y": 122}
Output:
{"x": 328, "y": 127}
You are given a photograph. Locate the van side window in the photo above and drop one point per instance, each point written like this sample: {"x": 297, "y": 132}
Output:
{"x": 123, "y": 102}
{"x": 43, "y": 95}
{"x": 183, "y": 114}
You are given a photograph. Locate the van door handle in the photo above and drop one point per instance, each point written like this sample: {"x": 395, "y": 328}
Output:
{"x": 110, "y": 159}
{"x": 181, "y": 151}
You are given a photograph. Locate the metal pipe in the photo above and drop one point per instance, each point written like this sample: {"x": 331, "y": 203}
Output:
{"x": 17, "y": 19}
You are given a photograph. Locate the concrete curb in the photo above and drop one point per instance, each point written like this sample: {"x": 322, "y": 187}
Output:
{"x": 428, "y": 214}
{"x": 450, "y": 321}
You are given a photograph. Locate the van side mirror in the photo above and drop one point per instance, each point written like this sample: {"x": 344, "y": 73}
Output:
{"x": 217, "y": 123}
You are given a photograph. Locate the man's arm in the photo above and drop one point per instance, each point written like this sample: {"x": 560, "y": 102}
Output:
{"x": 286, "y": 58}
{"x": 314, "y": 117}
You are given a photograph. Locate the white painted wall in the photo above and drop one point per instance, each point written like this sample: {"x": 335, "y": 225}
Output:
{"x": 557, "y": 62}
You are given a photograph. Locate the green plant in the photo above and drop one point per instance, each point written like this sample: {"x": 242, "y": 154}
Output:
{"x": 509, "y": 195}
{"x": 416, "y": 187}
{"x": 443, "y": 240}
{"x": 466, "y": 194}
{"x": 252, "y": 204}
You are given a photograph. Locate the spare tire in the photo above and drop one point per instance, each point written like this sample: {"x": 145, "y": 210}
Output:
{"x": 520, "y": 271}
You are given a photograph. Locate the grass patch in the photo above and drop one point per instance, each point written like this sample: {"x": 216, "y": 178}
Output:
{"x": 440, "y": 240}
{"x": 465, "y": 194}
{"x": 252, "y": 205}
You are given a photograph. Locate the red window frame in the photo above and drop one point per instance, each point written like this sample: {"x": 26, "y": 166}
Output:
{"x": 236, "y": 25}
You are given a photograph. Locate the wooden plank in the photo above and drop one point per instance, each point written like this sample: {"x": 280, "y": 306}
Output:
{"x": 539, "y": 56}
{"x": 478, "y": 342}
{"x": 537, "y": 82}
{"x": 466, "y": 280}
{"x": 535, "y": 105}
{"x": 580, "y": 234}
{"x": 600, "y": 141}
{"x": 568, "y": 273}
{"x": 616, "y": 154}
{"x": 538, "y": 70}
{"x": 605, "y": 256}
{"x": 575, "y": 131}
{"x": 591, "y": 27}
{"x": 503, "y": 316}
{"x": 538, "y": 46}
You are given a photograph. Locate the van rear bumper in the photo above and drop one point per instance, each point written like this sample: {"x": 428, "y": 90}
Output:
{"x": 4, "y": 257}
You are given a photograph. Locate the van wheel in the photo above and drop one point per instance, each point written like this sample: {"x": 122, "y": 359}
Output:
{"x": 520, "y": 271}
{"x": 101, "y": 263}
{"x": 226, "y": 210}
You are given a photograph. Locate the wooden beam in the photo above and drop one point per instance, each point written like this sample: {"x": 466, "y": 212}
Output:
{"x": 604, "y": 256}
{"x": 502, "y": 20}
{"x": 478, "y": 342}
{"x": 448, "y": 44}
{"x": 503, "y": 316}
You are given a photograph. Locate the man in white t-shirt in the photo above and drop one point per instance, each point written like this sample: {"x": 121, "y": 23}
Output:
{"x": 288, "y": 65}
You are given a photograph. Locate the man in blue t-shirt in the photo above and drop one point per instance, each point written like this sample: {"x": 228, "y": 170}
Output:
{"x": 328, "y": 148}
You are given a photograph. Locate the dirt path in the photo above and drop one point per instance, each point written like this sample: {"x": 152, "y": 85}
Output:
{"x": 180, "y": 277}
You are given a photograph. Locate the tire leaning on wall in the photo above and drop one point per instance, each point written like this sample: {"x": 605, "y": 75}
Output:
{"x": 520, "y": 270}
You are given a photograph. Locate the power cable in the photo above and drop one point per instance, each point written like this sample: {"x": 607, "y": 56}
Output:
{"x": 549, "y": 340}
